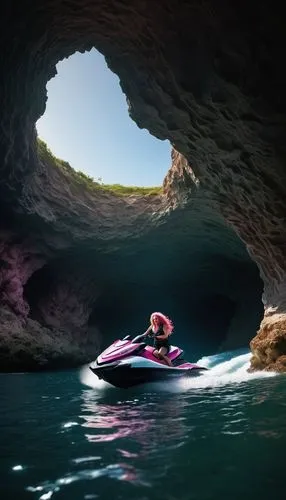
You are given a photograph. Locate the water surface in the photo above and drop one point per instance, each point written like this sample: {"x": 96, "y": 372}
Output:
{"x": 67, "y": 436}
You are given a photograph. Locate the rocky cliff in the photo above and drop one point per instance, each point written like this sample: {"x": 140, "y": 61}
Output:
{"x": 81, "y": 262}
{"x": 205, "y": 75}
{"x": 51, "y": 266}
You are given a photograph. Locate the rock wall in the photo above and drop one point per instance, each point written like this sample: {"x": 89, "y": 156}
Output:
{"x": 91, "y": 266}
{"x": 205, "y": 75}
{"x": 18, "y": 261}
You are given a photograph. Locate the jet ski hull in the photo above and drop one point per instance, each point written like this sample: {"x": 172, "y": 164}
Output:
{"x": 128, "y": 376}
{"x": 128, "y": 363}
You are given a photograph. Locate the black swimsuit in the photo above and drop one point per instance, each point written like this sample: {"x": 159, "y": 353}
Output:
{"x": 158, "y": 343}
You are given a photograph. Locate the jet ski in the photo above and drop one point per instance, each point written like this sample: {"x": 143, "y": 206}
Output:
{"x": 127, "y": 363}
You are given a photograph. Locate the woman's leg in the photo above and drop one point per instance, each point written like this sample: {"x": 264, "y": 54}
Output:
{"x": 162, "y": 353}
{"x": 156, "y": 354}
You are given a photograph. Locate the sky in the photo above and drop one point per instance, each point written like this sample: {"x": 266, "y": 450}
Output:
{"x": 86, "y": 123}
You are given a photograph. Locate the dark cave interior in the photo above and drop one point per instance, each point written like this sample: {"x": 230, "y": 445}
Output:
{"x": 215, "y": 303}
{"x": 206, "y": 319}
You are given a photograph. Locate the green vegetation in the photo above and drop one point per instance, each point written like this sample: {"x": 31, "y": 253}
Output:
{"x": 90, "y": 183}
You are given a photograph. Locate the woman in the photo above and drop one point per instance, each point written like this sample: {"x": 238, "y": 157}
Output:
{"x": 161, "y": 328}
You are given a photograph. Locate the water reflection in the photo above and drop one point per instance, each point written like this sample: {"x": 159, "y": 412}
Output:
{"x": 137, "y": 420}
{"x": 208, "y": 443}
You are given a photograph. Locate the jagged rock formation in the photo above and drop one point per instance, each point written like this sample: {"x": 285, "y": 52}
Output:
{"x": 51, "y": 264}
{"x": 205, "y": 75}
{"x": 89, "y": 264}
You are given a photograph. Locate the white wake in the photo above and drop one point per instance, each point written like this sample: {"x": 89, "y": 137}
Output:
{"x": 223, "y": 369}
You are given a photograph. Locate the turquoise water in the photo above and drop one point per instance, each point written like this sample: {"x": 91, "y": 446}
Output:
{"x": 68, "y": 436}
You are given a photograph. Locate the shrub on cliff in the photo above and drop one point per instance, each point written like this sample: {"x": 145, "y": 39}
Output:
{"x": 46, "y": 155}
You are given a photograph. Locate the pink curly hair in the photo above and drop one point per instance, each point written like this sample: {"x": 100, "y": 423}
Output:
{"x": 163, "y": 320}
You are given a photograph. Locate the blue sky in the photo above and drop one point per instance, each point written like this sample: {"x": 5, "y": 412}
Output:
{"x": 86, "y": 123}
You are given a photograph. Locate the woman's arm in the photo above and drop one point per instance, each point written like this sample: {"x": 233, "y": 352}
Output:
{"x": 147, "y": 331}
{"x": 166, "y": 334}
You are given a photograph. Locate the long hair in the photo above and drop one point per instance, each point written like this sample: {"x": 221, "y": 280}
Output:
{"x": 163, "y": 319}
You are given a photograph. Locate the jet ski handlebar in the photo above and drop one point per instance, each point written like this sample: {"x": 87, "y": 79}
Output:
{"x": 138, "y": 338}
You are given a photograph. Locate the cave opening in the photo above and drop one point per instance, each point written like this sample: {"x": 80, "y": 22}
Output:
{"x": 40, "y": 284}
{"x": 85, "y": 100}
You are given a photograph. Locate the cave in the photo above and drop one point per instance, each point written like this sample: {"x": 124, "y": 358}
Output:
{"x": 213, "y": 296}
{"x": 206, "y": 76}
{"x": 202, "y": 327}
{"x": 207, "y": 321}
